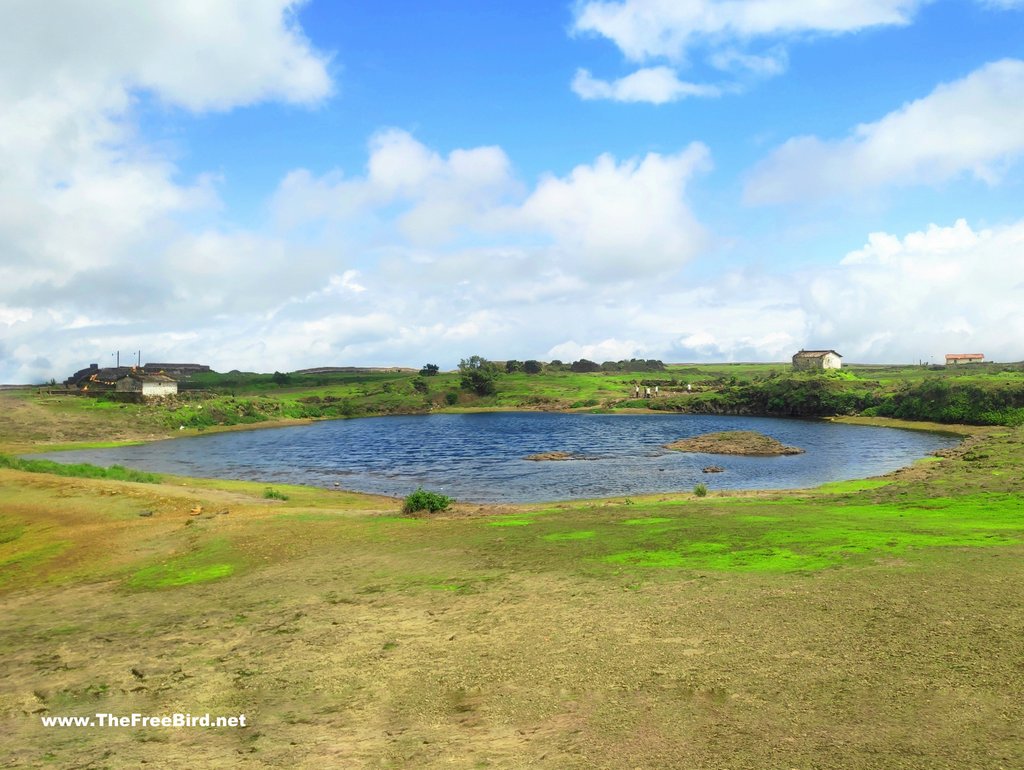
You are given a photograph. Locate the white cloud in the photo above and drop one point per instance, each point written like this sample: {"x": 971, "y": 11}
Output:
{"x": 970, "y": 126}
{"x": 92, "y": 238}
{"x": 460, "y": 253}
{"x": 644, "y": 29}
{"x": 623, "y": 217}
{"x": 769, "y": 64}
{"x": 726, "y": 33}
{"x": 656, "y": 85}
{"x": 610, "y": 349}
{"x": 941, "y": 290}
{"x": 744, "y": 38}
{"x": 439, "y": 195}
{"x": 609, "y": 218}
{"x": 190, "y": 53}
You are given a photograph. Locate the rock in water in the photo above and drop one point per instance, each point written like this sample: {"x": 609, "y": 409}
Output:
{"x": 734, "y": 442}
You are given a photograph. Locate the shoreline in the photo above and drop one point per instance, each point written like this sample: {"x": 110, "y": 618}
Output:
{"x": 949, "y": 429}
{"x": 962, "y": 432}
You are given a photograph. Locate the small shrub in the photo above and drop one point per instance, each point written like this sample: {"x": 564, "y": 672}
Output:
{"x": 272, "y": 494}
{"x": 422, "y": 500}
{"x": 451, "y": 399}
{"x": 701, "y": 490}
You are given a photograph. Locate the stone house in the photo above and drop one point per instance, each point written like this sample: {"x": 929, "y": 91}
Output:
{"x": 817, "y": 359}
{"x": 147, "y": 385}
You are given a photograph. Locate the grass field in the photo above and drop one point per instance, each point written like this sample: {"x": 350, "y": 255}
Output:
{"x": 866, "y": 624}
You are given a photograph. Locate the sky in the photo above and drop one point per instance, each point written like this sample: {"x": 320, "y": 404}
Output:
{"x": 274, "y": 185}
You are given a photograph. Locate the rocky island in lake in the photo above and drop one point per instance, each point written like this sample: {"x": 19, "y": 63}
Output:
{"x": 734, "y": 442}
{"x": 544, "y": 456}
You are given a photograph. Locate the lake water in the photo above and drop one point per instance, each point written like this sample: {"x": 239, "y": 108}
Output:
{"x": 479, "y": 457}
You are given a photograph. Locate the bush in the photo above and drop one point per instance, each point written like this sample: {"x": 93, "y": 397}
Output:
{"x": 451, "y": 398}
{"x": 422, "y": 500}
{"x": 272, "y": 494}
{"x": 585, "y": 365}
{"x": 478, "y": 375}
{"x": 701, "y": 490}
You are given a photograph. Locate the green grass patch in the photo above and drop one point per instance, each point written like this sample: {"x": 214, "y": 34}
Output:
{"x": 647, "y": 521}
{"x": 78, "y": 470}
{"x": 579, "y": 534}
{"x": 211, "y": 562}
{"x": 802, "y": 535}
{"x": 10, "y": 531}
{"x": 854, "y": 485}
{"x": 509, "y": 522}
{"x": 17, "y": 560}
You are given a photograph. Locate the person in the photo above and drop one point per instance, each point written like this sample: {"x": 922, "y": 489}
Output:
{"x": 688, "y": 387}
{"x": 656, "y": 391}
{"x": 636, "y": 391}
{"x": 647, "y": 391}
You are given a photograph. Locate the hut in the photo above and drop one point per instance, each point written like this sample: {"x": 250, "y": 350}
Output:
{"x": 817, "y": 359}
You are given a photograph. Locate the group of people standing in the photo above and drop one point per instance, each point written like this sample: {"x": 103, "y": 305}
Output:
{"x": 649, "y": 394}
{"x": 647, "y": 391}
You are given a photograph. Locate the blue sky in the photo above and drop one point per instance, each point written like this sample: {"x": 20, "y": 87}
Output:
{"x": 274, "y": 185}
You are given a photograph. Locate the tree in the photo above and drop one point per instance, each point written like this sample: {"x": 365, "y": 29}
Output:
{"x": 512, "y": 366}
{"x": 533, "y": 367}
{"x": 478, "y": 375}
{"x": 430, "y": 370}
{"x": 280, "y": 378}
{"x": 585, "y": 365}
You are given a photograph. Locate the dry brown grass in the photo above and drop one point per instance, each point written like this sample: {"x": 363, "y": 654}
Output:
{"x": 353, "y": 638}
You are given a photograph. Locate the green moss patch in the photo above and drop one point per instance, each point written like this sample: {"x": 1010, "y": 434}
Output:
{"x": 212, "y": 562}
{"x": 855, "y": 485}
{"x": 580, "y": 534}
{"x": 14, "y": 563}
{"x": 647, "y": 521}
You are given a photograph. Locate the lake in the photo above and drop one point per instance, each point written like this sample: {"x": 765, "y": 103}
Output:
{"x": 479, "y": 457}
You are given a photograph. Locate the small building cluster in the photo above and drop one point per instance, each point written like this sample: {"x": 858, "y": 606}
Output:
{"x": 149, "y": 381}
{"x": 817, "y": 359}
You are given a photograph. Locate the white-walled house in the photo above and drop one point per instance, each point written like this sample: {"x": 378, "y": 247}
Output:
{"x": 817, "y": 359}
{"x": 964, "y": 358}
{"x": 149, "y": 385}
